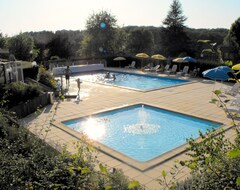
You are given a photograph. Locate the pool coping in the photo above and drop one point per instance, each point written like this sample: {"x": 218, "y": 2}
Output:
{"x": 135, "y": 89}
{"x": 141, "y": 166}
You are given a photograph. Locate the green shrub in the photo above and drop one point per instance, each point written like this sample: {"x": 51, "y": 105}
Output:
{"x": 55, "y": 57}
{"x": 46, "y": 78}
{"x": 17, "y": 92}
{"x": 215, "y": 159}
{"x": 26, "y": 162}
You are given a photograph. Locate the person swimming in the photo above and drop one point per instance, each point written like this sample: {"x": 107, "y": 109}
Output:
{"x": 107, "y": 76}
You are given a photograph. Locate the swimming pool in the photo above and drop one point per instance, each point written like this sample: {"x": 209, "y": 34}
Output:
{"x": 141, "y": 132}
{"x": 132, "y": 81}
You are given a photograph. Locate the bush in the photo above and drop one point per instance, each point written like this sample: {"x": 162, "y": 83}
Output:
{"x": 17, "y": 92}
{"x": 26, "y": 162}
{"x": 215, "y": 159}
{"x": 46, "y": 78}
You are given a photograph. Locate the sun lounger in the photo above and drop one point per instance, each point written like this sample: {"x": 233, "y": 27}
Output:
{"x": 184, "y": 72}
{"x": 153, "y": 69}
{"x": 234, "y": 90}
{"x": 172, "y": 70}
{"x": 164, "y": 69}
{"x": 131, "y": 66}
{"x": 195, "y": 72}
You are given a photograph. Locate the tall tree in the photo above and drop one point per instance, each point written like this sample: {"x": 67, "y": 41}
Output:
{"x": 120, "y": 42}
{"x": 99, "y": 37}
{"x": 232, "y": 40}
{"x": 140, "y": 40}
{"x": 175, "y": 39}
{"x": 59, "y": 46}
{"x": 2, "y": 41}
{"x": 22, "y": 47}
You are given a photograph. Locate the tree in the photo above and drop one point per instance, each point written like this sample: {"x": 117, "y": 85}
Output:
{"x": 120, "y": 42}
{"x": 140, "y": 40}
{"x": 99, "y": 37}
{"x": 232, "y": 40}
{"x": 2, "y": 41}
{"x": 22, "y": 47}
{"x": 175, "y": 39}
{"x": 59, "y": 46}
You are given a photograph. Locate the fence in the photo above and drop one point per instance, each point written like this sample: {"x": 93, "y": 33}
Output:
{"x": 31, "y": 106}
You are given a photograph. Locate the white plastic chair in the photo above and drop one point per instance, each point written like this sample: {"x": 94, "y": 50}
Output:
{"x": 184, "y": 72}
{"x": 172, "y": 70}
{"x": 234, "y": 90}
{"x": 131, "y": 66}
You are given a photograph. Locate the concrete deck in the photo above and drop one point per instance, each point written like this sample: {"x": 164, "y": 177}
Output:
{"x": 191, "y": 99}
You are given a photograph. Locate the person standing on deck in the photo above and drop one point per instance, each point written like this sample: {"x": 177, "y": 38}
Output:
{"x": 78, "y": 86}
{"x": 67, "y": 73}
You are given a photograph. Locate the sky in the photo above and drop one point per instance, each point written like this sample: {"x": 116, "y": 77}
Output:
{"x": 51, "y": 15}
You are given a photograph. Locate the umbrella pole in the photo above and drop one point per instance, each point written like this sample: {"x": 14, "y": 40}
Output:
{"x": 213, "y": 89}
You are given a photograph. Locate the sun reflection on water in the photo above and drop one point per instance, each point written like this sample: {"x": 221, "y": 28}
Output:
{"x": 94, "y": 128}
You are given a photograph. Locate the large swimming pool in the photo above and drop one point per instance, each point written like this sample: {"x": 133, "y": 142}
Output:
{"x": 141, "y": 132}
{"x": 132, "y": 81}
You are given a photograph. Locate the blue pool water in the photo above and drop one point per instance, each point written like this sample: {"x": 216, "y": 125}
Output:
{"x": 134, "y": 81}
{"x": 141, "y": 132}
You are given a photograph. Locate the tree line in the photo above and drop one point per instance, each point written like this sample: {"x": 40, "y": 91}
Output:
{"x": 104, "y": 38}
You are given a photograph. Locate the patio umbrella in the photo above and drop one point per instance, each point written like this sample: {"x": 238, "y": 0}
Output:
{"x": 158, "y": 57}
{"x": 236, "y": 67}
{"x": 119, "y": 59}
{"x": 190, "y": 59}
{"x": 142, "y": 56}
{"x": 179, "y": 60}
{"x": 218, "y": 73}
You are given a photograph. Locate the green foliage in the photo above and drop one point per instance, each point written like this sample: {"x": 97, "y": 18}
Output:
{"x": 54, "y": 58}
{"x": 211, "y": 50}
{"x": 204, "y": 41}
{"x": 133, "y": 185}
{"x": 175, "y": 18}
{"x": 22, "y": 47}
{"x": 213, "y": 165}
{"x": 214, "y": 159}
{"x": 175, "y": 38}
{"x": 120, "y": 42}
{"x": 238, "y": 181}
{"x": 98, "y": 40}
{"x": 17, "y": 92}
{"x": 207, "y": 51}
{"x": 139, "y": 40}
{"x": 232, "y": 40}
{"x": 46, "y": 78}
{"x": 2, "y": 41}
{"x": 229, "y": 63}
{"x": 233, "y": 153}
{"x": 28, "y": 163}
{"x": 59, "y": 46}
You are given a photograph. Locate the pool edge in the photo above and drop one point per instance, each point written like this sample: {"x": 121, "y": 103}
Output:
{"x": 141, "y": 166}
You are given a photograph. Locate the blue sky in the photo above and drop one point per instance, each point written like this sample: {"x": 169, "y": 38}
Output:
{"x": 37, "y": 15}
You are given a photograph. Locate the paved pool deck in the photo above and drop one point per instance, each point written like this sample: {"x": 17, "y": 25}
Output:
{"x": 191, "y": 99}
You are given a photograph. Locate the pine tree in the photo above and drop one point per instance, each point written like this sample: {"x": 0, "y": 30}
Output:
{"x": 232, "y": 40}
{"x": 175, "y": 38}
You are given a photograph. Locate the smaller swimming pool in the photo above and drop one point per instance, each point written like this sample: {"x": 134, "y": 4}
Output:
{"x": 141, "y": 132}
{"x": 132, "y": 81}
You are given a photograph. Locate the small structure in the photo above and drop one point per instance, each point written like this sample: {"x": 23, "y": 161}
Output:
{"x": 11, "y": 71}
